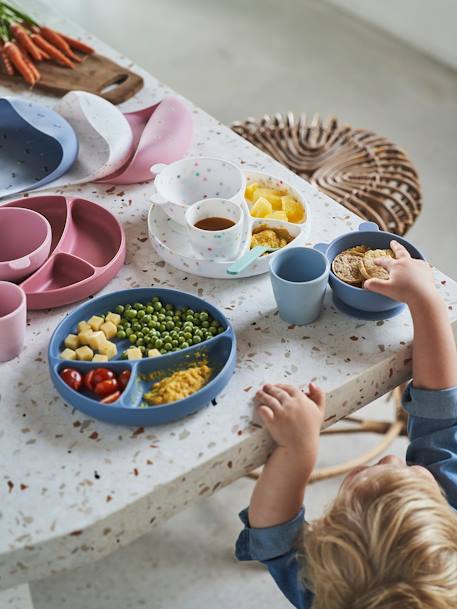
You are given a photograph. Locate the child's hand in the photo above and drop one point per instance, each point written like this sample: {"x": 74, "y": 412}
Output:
{"x": 292, "y": 417}
{"x": 410, "y": 280}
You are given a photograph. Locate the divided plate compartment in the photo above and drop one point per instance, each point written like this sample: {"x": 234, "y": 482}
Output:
{"x": 87, "y": 250}
{"x": 168, "y": 237}
{"x": 219, "y": 351}
{"x": 36, "y": 145}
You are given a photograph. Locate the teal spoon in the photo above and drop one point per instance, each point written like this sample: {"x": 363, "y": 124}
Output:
{"x": 248, "y": 258}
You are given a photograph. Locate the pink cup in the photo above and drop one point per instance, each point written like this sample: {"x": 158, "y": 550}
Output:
{"x": 24, "y": 244}
{"x": 13, "y": 312}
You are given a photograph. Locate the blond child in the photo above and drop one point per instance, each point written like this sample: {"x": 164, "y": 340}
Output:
{"x": 389, "y": 539}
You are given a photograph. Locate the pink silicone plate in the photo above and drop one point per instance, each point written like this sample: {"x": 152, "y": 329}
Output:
{"x": 87, "y": 251}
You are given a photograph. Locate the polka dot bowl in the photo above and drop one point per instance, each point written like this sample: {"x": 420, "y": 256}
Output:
{"x": 187, "y": 181}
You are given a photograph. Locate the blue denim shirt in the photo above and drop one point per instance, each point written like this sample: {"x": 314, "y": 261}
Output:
{"x": 432, "y": 431}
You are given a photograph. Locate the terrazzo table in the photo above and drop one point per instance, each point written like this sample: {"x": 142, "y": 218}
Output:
{"x": 73, "y": 489}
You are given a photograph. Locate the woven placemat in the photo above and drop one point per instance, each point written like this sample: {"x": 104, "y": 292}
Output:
{"x": 365, "y": 172}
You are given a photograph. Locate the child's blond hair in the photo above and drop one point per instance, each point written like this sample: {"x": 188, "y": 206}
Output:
{"x": 386, "y": 544}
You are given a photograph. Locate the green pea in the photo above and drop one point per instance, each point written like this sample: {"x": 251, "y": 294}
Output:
{"x": 169, "y": 307}
{"x": 146, "y": 319}
{"x": 141, "y": 314}
{"x": 175, "y": 343}
{"x": 120, "y": 334}
{"x": 127, "y": 307}
{"x": 161, "y": 317}
{"x": 159, "y": 343}
{"x": 143, "y": 350}
{"x": 213, "y": 330}
{"x": 170, "y": 325}
{"x": 138, "y": 306}
{"x": 155, "y": 299}
{"x": 190, "y": 318}
{"x": 205, "y": 324}
{"x": 214, "y": 323}
{"x": 204, "y": 315}
{"x": 189, "y": 311}
{"x": 184, "y": 345}
{"x": 168, "y": 346}
{"x": 149, "y": 309}
{"x": 132, "y": 338}
{"x": 140, "y": 342}
{"x": 157, "y": 306}
{"x": 162, "y": 351}
{"x": 188, "y": 335}
{"x": 128, "y": 332}
{"x": 119, "y": 309}
{"x": 162, "y": 327}
{"x": 196, "y": 340}
{"x": 131, "y": 313}
{"x": 220, "y": 330}
{"x": 136, "y": 327}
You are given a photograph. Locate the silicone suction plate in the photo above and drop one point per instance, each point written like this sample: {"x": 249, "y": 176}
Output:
{"x": 36, "y": 145}
{"x": 161, "y": 134}
{"x": 104, "y": 134}
{"x": 220, "y": 352}
{"x": 87, "y": 251}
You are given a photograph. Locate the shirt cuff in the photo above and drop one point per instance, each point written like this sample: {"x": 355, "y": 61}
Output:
{"x": 431, "y": 403}
{"x": 269, "y": 542}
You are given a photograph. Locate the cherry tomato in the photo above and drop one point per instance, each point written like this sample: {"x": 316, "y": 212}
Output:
{"x": 89, "y": 380}
{"x": 109, "y": 399}
{"x": 72, "y": 378}
{"x": 102, "y": 374}
{"x": 104, "y": 388}
{"x": 123, "y": 379}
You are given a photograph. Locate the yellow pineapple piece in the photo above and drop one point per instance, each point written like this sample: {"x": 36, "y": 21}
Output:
{"x": 108, "y": 348}
{"x": 114, "y": 318}
{"x": 261, "y": 208}
{"x": 97, "y": 340}
{"x": 134, "y": 353}
{"x": 293, "y": 208}
{"x": 109, "y": 329}
{"x": 250, "y": 190}
{"x": 82, "y": 326}
{"x": 278, "y": 215}
{"x": 95, "y": 322}
{"x": 68, "y": 354}
{"x": 85, "y": 336}
{"x": 98, "y": 357}
{"x": 271, "y": 195}
{"x": 154, "y": 353}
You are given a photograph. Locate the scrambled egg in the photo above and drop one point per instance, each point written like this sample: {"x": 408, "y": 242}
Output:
{"x": 269, "y": 237}
{"x": 179, "y": 385}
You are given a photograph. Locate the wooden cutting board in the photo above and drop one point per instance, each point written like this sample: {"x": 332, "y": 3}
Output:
{"x": 95, "y": 74}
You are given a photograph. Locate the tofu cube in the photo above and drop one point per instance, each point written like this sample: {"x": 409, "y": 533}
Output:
{"x": 109, "y": 329}
{"x": 98, "y": 357}
{"x": 67, "y": 354}
{"x": 113, "y": 318}
{"x": 153, "y": 353}
{"x": 72, "y": 341}
{"x": 134, "y": 353}
{"x": 83, "y": 325}
{"x": 85, "y": 336}
{"x": 95, "y": 322}
{"x": 108, "y": 348}
{"x": 96, "y": 340}
{"x": 85, "y": 354}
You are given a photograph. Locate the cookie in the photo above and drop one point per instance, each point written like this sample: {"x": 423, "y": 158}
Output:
{"x": 369, "y": 269}
{"x": 357, "y": 249}
{"x": 346, "y": 267}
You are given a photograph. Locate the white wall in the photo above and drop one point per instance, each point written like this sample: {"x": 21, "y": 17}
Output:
{"x": 430, "y": 25}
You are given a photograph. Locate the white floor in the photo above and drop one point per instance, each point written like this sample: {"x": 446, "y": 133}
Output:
{"x": 237, "y": 59}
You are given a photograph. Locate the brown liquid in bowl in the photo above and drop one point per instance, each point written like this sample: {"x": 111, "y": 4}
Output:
{"x": 214, "y": 224}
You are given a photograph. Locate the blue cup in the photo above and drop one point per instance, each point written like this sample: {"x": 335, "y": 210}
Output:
{"x": 299, "y": 277}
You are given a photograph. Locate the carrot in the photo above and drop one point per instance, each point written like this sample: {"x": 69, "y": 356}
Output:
{"x": 57, "y": 40}
{"x": 5, "y": 62}
{"x": 77, "y": 44}
{"x": 52, "y": 51}
{"x": 24, "y": 41}
{"x": 32, "y": 67}
{"x": 17, "y": 59}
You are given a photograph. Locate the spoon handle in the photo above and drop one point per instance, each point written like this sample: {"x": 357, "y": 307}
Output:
{"x": 246, "y": 260}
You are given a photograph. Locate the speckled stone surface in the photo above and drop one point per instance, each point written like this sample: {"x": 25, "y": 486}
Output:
{"x": 73, "y": 489}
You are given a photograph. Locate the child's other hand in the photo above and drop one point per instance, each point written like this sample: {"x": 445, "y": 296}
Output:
{"x": 292, "y": 417}
{"x": 410, "y": 280}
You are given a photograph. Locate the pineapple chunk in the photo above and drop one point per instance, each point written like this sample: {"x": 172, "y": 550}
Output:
{"x": 72, "y": 341}
{"x": 108, "y": 348}
{"x": 85, "y": 354}
{"x": 96, "y": 340}
{"x": 85, "y": 336}
{"x": 153, "y": 353}
{"x": 250, "y": 190}
{"x": 261, "y": 208}
{"x": 98, "y": 357}
{"x": 273, "y": 196}
{"x": 95, "y": 322}
{"x": 113, "y": 318}
{"x": 293, "y": 208}
{"x": 109, "y": 329}
{"x": 67, "y": 354}
{"x": 278, "y": 215}
{"x": 134, "y": 353}
{"x": 82, "y": 326}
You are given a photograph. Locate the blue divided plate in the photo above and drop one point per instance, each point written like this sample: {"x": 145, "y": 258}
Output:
{"x": 220, "y": 352}
{"x": 37, "y": 145}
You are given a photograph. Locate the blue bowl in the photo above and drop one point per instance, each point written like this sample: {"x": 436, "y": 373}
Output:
{"x": 359, "y": 299}
{"x": 37, "y": 145}
{"x": 220, "y": 351}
